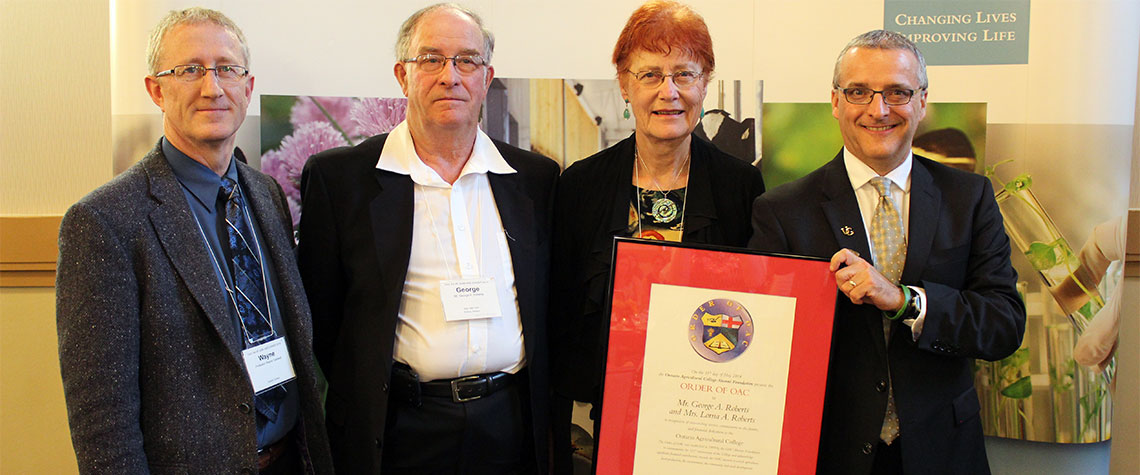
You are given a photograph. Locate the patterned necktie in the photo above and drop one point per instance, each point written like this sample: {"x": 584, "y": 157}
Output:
{"x": 890, "y": 254}
{"x": 887, "y": 233}
{"x": 249, "y": 291}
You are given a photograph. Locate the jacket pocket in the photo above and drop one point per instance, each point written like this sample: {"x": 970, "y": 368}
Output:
{"x": 966, "y": 406}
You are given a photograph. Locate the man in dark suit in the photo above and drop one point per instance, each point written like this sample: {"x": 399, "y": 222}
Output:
{"x": 941, "y": 290}
{"x": 184, "y": 335}
{"x": 425, "y": 256}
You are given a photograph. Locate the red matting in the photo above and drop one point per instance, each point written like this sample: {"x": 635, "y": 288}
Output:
{"x": 639, "y": 264}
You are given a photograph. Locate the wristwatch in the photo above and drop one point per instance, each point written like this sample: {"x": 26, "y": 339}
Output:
{"x": 911, "y": 308}
{"x": 913, "y": 305}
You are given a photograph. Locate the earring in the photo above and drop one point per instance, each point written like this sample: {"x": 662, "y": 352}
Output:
{"x": 626, "y": 113}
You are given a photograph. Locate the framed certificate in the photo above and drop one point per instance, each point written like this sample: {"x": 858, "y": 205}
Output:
{"x": 717, "y": 360}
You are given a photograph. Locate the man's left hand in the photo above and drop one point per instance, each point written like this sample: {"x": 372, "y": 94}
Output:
{"x": 864, "y": 284}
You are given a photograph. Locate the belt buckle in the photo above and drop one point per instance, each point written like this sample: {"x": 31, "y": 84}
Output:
{"x": 455, "y": 388}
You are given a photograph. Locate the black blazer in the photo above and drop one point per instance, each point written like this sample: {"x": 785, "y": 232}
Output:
{"x": 957, "y": 250}
{"x": 591, "y": 207}
{"x": 355, "y": 244}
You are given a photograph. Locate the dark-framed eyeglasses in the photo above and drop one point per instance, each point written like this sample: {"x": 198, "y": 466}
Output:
{"x": 194, "y": 72}
{"x": 431, "y": 62}
{"x": 682, "y": 78}
{"x": 891, "y": 96}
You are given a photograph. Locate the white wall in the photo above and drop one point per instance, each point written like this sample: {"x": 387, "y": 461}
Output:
{"x": 55, "y": 133}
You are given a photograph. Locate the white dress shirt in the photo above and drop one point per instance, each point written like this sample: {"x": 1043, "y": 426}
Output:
{"x": 860, "y": 175}
{"x": 456, "y": 234}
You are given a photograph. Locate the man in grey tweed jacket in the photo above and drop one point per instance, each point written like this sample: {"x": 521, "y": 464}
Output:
{"x": 151, "y": 340}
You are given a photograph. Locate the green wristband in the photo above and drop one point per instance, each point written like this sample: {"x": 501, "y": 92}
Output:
{"x": 906, "y": 302}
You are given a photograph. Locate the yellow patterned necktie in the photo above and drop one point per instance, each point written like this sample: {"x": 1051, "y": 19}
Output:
{"x": 887, "y": 233}
{"x": 890, "y": 253}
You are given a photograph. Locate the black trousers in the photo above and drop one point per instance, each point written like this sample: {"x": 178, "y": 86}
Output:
{"x": 491, "y": 435}
{"x": 561, "y": 413}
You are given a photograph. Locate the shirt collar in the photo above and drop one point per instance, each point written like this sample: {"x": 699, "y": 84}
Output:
{"x": 860, "y": 173}
{"x": 399, "y": 156}
{"x": 199, "y": 179}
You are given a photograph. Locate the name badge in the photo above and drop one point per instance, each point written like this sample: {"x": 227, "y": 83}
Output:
{"x": 469, "y": 299}
{"x": 268, "y": 364}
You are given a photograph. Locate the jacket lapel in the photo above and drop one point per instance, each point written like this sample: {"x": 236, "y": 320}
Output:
{"x": 516, "y": 210}
{"x": 846, "y": 223}
{"x": 925, "y": 201}
{"x": 277, "y": 237}
{"x": 391, "y": 214}
{"x": 182, "y": 240}
{"x": 842, "y": 209}
{"x": 619, "y": 217}
{"x": 700, "y": 212}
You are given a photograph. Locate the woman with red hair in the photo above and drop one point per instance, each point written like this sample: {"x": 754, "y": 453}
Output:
{"x": 660, "y": 183}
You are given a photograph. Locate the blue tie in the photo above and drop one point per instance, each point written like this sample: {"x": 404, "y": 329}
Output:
{"x": 249, "y": 292}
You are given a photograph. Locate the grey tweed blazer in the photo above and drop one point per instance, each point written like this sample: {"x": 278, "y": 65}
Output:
{"x": 150, "y": 359}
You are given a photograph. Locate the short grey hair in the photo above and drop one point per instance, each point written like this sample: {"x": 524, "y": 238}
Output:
{"x": 882, "y": 39}
{"x": 190, "y": 16}
{"x": 404, "y": 38}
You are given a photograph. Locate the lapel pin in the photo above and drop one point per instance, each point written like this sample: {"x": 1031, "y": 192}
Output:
{"x": 847, "y": 231}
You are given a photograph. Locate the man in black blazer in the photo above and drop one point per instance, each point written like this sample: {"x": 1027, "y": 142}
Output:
{"x": 425, "y": 254}
{"x": 153, "y": 347}
{"x": 900, "y": 389}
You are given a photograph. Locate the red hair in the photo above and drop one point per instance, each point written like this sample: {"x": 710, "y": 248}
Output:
{"x": 658, "y": 26}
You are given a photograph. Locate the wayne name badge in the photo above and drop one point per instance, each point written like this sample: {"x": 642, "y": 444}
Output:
{"x": 268, "y": 364}
{"x": 469, "y": 299}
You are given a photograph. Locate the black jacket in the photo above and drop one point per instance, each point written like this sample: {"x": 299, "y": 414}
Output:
{"x": 591, "y": 207}
{"x": 355, "y": 244}
{"x": 957, "y": 250}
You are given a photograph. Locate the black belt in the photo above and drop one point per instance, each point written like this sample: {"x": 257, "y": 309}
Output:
{"x": 463, "y": 389}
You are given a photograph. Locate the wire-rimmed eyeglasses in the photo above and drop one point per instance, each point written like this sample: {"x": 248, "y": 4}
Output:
{"x": 431, "y": 62}
{"x": 683, "y": 78}
{"x": 194, "y": 72}
{"x": 864, "y": 95}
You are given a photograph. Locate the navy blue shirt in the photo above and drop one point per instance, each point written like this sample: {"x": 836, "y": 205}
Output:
{"x": 201, "y": 185}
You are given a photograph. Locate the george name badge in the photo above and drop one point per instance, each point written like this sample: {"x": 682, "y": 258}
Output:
{"x": 268, "y": 364}
{"x": 469, "y": 299}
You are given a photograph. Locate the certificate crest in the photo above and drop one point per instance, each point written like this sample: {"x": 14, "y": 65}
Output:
{"x": 720, "y": 330}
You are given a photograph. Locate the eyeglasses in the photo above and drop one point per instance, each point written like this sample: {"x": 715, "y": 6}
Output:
{"x": 864, "y": 95}
{"x": 194, "y": 72}
{"x": 431, "y": 62}
{"x": 655, "y": 78}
